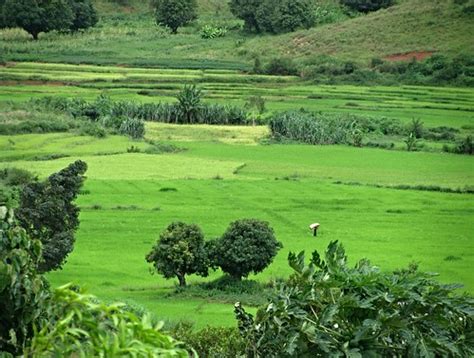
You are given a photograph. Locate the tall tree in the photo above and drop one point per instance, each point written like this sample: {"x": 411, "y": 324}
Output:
{"x": 48, "y": 213}
{"x": 175, "y": 13}
{"x": 247, "y": 10}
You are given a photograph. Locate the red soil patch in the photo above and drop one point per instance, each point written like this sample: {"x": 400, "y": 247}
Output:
{"x": 408, "y": 56}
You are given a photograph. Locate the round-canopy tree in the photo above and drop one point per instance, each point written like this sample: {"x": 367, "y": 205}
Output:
{"x": 36, "y": 16}
{"x": 247, "y": 246}
{"x": 175, "y": 13}
{"x": 180, "y": 251}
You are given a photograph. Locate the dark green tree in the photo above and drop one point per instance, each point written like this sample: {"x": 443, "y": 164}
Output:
{"x": 48, "y": 213}
{"x": 175, "y": 13}
{"x": 23, "y": 292}
{"x": 327, "y": 308}
{"x": 36, "y": 16}
{"x": 247, "y": 246}
{"x": 189, "y": 104}
{"x": 367, "y": 5}
{"x": 246, "y": 10}
{"x": 180, "y": 251}
{"x": 290, "y": 15}
{"x": 85, "y": 15}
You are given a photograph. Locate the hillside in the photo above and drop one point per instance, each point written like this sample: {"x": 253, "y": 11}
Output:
{"x": 128, "y": 35}
{"x": 412, "y": 26}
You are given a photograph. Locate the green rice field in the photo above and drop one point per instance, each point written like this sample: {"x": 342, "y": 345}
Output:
{"x": 223, "y": 174}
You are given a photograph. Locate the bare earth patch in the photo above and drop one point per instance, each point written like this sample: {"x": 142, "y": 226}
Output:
{"x": 408, "y": 56}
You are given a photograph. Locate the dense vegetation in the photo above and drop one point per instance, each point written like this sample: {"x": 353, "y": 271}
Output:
{"x": 329, "y": 308}
{"x": 48, "y": 213}
{"x": 45, "y": 16}
{"x": 207, "y": 111}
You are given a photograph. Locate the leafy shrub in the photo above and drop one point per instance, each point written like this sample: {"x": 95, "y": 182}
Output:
{"x": 179, "y": 252}
{"x": 212, "y": 32}
{"x": 189, "y": 103}
{"x": 133, "y": 127}
{"x": 367, "y": 5}
{"x": 281, "y": 66}
{"x": 327, "y": 308}
{"x": 466, "y": 146}
{"x": 275, "y": 16}
{"x": 416, "y": 128}
{"x": 16, "y": 176}
{"x": 247, "y": 246}
{"x": 23, "y": 292}
{"x": 80, "y": 325}
{"x": 93, "y": 130}
{"x": 210, "y": 342}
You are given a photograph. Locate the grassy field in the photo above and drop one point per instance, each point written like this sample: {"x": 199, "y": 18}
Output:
{"x": 433, "y": 105}
{"x": 225, "y": 175}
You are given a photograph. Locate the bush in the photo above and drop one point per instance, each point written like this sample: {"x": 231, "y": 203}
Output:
{"x": 367, "y": 5}
{"x": 247, "y": 246}
{"x": 212, "y": 32}
{"x": 210, "y": 342}
{"x": 23, "y": 292}
{"x": 133, "y": 127}
{"x": 81, "y": 326}
{"x": 281, "y": 66}
{"x": 180, "y": 251}
{"x": 327, "y": 308}
{"x": 16, "y": 176}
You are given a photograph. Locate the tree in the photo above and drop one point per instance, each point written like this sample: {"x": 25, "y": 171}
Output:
{"x": 36, "y": 16}
{"x": 180, "y": 251}
{"x": 275, "y": 16}
{"x": 247, "y": 10}
{"x": 367, "y": 5}
{"x": 23, "y": 292}
{"x": 189, "y": 103}
{"x": 247, "y": 246}
{"x": 290, "y": 15}
{"x": 85, "y": 15}
{"x": 48, "y": 213}
{"x": 175, "y": 13}
{"x": 327, "y": 308}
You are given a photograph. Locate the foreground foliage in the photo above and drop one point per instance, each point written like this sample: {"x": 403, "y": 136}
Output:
{"x": 23, "y": 292}
{"x": 48, "y": 213}
{"x": 329, "y": 309}
{"x": 81, "y": 326}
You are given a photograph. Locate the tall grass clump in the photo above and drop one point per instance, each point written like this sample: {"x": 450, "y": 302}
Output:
{"x": 313, "y": 128}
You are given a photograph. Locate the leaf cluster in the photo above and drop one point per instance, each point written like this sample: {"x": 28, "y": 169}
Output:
{"x": 81, "y": 326}
{"x": 330, "y": 309}
{"x": 23, "y": 292}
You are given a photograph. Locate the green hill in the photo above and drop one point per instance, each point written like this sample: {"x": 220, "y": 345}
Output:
{"x": 128, "y": 35}
{"x": 412, "y": 26}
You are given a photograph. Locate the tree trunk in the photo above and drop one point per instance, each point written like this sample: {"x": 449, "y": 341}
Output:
{"x": 182, "y": 280}
{"x": 35, "y": 35}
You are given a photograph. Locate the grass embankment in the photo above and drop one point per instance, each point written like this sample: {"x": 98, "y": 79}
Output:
{"x": 129, "y": 198}
{"x": 435, "y": 106}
